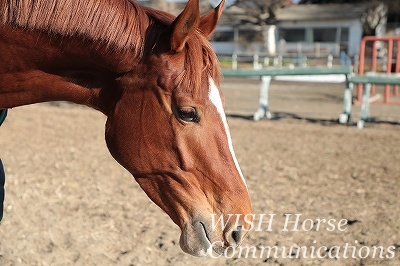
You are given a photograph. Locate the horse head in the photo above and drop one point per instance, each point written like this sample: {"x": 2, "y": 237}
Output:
{"x": 169, "y": 129}
{"x": 156, "y": 78}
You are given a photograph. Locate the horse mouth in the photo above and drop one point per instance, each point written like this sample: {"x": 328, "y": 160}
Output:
{"x": 195, "y": 239}
{"x": 198, "y": 240}
{"x": 205, "y": 236}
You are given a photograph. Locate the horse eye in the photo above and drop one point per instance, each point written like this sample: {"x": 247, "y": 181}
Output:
{"x": 189, "y": 114}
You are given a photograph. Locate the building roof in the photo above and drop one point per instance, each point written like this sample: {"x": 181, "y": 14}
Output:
{"x": 323, "y": 11}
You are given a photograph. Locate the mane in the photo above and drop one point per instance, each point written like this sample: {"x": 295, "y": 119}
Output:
{"x": 113, "y": 22}
{"x": 197, "y": 63}
{"x": 121, "y": 24}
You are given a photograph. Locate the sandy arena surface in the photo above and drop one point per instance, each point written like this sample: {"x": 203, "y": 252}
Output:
{"x": 69, "y": 203}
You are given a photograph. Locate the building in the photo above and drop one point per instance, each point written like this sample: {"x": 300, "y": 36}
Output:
{"x": 335, "y": 27}
{"x": 313, "y": 30}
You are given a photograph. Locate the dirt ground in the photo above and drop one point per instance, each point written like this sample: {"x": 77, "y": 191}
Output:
{"x": 69, "y": 203}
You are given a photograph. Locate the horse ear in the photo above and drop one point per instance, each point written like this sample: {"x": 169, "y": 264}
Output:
{"x": 185, "y": 25}
{"x": 208, "y": 22}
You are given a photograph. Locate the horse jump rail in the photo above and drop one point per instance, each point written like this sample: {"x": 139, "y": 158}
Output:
{"x": 267, "y": 74}
{"x": 366, "y": 81}
{"x": 345, "y": 70}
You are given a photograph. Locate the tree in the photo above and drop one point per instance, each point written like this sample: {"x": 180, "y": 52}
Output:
{"x": 175, "y": 7}
{"x": 393, "y": 6}
{"x": 373, "y": 17}
{"x": 257, "y": 12}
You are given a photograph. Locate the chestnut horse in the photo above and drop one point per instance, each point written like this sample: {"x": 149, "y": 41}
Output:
{"x": 156, "y": 79}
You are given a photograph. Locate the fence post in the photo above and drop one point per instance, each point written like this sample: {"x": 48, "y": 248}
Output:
{"x": 364, "y": 105}
{"x": 280, "y": 61}
{"x": 263, "y": 109}
{"x": 266, "y": 61}
{"x": 299, "y": 59}
{"x": 345, "y": 117}
{"x": 342, "y": 58}
{"x": 304, "y": 61}
{"x": 356, "y": 63}
{"x": 234, "y": 61}
{"x": 275, "y": 62}
{"x": 330, "y": 60}
{"x": 256, "y": 64}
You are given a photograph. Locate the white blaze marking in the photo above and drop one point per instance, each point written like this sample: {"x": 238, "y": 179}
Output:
{"x": 215, "y": 98}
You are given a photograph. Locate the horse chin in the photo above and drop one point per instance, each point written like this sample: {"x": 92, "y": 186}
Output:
{"x": 197, "y": 240}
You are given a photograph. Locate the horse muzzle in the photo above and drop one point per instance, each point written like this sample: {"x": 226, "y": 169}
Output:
{"x": 200, "y": 237}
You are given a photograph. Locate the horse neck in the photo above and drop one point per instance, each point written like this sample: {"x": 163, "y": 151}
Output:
{"x": 60, "y": 68}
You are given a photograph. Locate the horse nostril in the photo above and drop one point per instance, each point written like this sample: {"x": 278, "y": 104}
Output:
{"x": 237, "y": 235}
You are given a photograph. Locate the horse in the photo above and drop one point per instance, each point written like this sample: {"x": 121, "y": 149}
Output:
{"x": 156, "y": 79}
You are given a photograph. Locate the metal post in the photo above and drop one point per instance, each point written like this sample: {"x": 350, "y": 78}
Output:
{"x": 280, "y": 60}
{"x": 304, "y": 61}
{"x": 364, "y": 105}
{"x": 263, "y": 110}
{"x": 256, "y": 65}
{"x": 266, "y": 61}
{"x": 299, "y": 59}
{"x": 345, "y": 117}
{"x": 374, "y": 62}
{"x": 234, "y": 61}
{"x": 330, "y": 60}
{"x": 361, "y": 65}
{"x": 397, "y": 68}
{"x": 386, "y": 96}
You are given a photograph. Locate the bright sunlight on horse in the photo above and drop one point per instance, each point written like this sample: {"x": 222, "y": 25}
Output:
{"x": 156, "y": 79}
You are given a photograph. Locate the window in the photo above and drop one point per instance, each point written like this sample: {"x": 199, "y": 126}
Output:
{"x": 344, "y": 35}
{"x": 344, "y": 39}
{"x": 292, "y": 35}
{"x": 324, "y": 34}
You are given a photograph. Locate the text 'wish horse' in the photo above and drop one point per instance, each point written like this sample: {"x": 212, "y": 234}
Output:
{"x": 156, "y": 79}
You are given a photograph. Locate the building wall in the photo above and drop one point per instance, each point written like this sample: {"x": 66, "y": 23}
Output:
{"x": 353, "y": 28}
{"x": 346, "y": 36}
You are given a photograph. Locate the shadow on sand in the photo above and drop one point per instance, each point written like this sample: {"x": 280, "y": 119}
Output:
{"x": 325, "y": 122}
